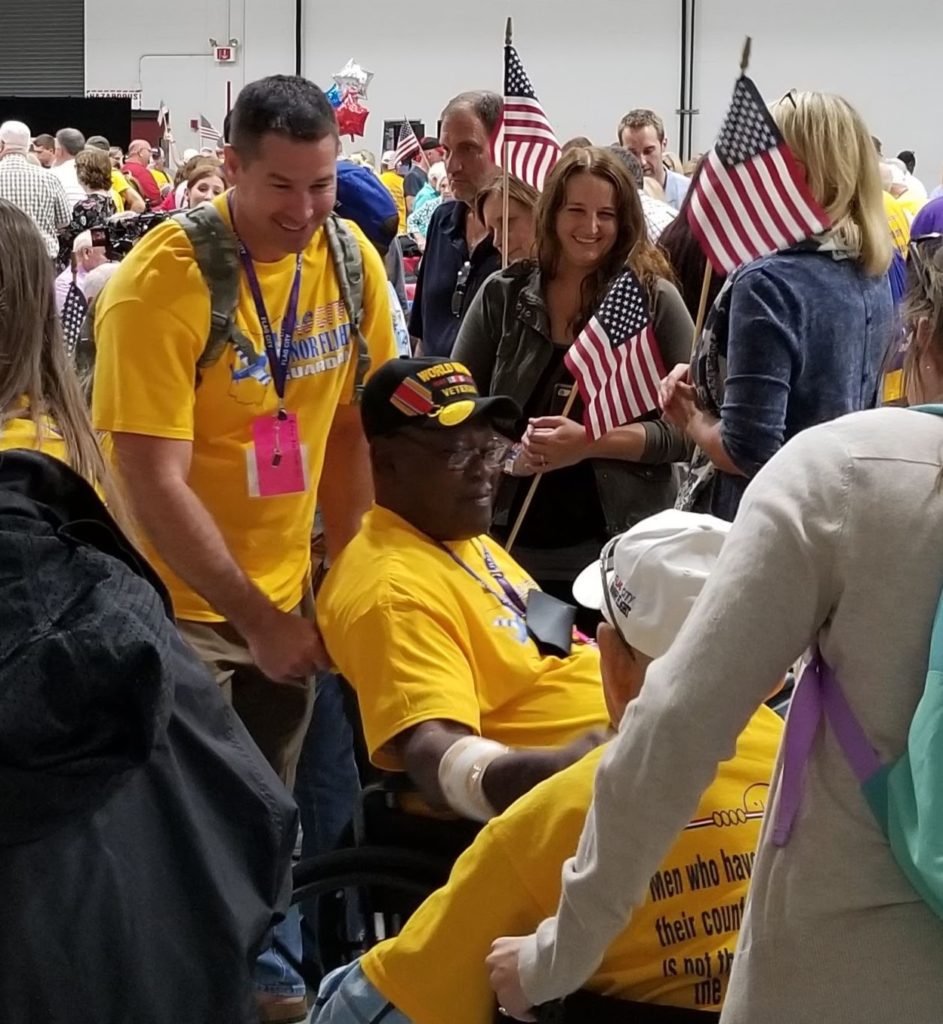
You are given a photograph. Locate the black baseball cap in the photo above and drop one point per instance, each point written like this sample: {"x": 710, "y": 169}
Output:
{"x": 432, "y": 393}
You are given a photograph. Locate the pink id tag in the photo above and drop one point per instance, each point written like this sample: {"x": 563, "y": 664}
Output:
{"x": 277, "y": 461}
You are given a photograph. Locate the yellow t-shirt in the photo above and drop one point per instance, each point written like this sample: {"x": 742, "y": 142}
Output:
{"x": 394, "y": 185}
{"x": 20, "y": 432}
{"x": 151, "y": 327}
{"x": 160, "y": 177}
{"x": 119, "y": 185}
{"x": 419, "y": 639}
{"x": 898, "y": 222}
{"x": 678, "y": 947}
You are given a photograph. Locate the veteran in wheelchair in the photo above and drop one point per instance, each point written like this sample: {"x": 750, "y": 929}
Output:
{"x": 672, "y": 962}
{"x": 468, "y": 677}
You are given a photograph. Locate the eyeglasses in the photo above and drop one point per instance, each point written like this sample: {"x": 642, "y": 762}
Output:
{"x": 458, "y": 460}
{"x": 461, "y": 287}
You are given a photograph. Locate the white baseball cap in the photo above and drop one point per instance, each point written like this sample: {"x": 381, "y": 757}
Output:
{"x": 15, "y": 135}
{"x": 649, "y": 577}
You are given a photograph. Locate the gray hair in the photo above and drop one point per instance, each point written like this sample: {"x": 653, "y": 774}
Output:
{"x": 486, "y": 106}
{"x": 436, "y": 174}
{"x": 71, "y": 140}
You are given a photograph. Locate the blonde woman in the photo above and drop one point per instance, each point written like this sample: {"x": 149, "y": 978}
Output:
{"x": 796, "y": 338}
{"x": 41, "y": 404}
{"x": 522, "y": 216}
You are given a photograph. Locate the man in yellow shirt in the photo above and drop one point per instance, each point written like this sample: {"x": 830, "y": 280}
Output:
{"x": 467, "y": 675}
{"x": 393, "y": 180}
{"x": 223, "y": 463}
{"x": 678, "y": 948}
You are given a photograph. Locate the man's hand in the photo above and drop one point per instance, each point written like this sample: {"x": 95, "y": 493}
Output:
{"x": 505, "y": 978}
{"x": 552, "y": 442}
{"x": 287, "y": 648}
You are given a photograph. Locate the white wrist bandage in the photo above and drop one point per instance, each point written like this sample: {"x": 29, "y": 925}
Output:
{"x": 461, "y": 772}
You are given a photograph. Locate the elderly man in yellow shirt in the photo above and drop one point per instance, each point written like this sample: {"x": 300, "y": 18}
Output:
{"x": 671, "y": 963}
{"x": 468, "y": 676}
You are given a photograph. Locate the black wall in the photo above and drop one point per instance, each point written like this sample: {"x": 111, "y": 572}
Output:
{"x": 47, "y": 114}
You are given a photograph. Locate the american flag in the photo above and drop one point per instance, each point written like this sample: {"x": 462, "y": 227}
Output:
{"x": 209, "y": 136}
{"x": 615, "y": 361}
{"x": 407, "y": 145}
{"x": 750, "y": 196}
{"x": 74, "y": 310}
{"x": 532, "y": 146}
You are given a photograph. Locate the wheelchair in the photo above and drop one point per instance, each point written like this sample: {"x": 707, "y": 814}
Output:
{"x": 589, "y": 1008}
{"x": 391, "y": 859}
{"x": 395, "y": 858}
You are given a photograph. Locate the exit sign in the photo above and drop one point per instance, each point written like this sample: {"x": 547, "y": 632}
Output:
{"x": 224, "y": 54}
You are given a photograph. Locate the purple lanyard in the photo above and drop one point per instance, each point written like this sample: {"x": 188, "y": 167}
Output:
{"x": 514, "y": 602}
{"x": 278, "y": 352}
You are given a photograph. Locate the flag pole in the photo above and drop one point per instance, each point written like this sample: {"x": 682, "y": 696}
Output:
{"x": 745, "y": 55}
{"x": 535, "y": 483}
{"x": 505, "y": 198}
{"x": 702, "y": 304}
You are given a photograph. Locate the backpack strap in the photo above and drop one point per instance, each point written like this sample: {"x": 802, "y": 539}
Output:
{"x": 348, "y": 267}
{"x": 818, "y": 693}
{"x": 217, "y": 256}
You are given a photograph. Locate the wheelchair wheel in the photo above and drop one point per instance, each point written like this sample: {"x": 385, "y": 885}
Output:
{"x": 363, "y": 895}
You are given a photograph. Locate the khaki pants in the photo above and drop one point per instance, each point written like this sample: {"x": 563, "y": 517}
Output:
{"x": 276, "y": 714}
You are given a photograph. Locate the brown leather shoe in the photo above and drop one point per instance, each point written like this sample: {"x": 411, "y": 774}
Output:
{"x": 275, "y": 1009}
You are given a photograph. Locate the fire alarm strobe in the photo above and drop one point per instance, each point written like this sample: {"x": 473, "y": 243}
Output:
{"x": 224, "y": 54}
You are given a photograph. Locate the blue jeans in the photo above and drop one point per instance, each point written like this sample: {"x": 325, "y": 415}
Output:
{"x": 273, "y": 973}
{"x": 327, "y": 787}
{"x": 348, "y": 997}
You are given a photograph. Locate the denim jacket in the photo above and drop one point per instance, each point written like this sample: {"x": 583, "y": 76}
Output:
{"x": 794, "y": 339}
{"x": 505, "y": 340}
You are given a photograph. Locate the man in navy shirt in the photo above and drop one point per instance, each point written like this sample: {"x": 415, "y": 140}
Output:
{"x": 460, "y": 254}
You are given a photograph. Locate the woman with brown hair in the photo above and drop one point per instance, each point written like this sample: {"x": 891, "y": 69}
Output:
{"x": 41, "y": 403}
{"x": 205, "y": 182}
{"x": 93, "y": 169}
{"x": 590, "y": 228}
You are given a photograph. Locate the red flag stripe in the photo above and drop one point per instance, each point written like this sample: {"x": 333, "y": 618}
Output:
{"x": 801, "y": 201}
{"x": 752, "y": 169}
{"x": 716, "y": 191}
{"x": 752, "y": 213}
{"x": 706, "y": 226}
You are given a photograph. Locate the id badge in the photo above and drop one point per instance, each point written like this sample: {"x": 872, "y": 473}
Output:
{"x": 276, "y": 461}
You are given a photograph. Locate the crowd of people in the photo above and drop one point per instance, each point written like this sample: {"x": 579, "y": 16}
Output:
{"x": 292, "y": 454}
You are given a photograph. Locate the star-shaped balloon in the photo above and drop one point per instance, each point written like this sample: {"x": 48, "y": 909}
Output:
{"x": 334, "y": 96}
{"x": 353, "y": 76}
{"x": 351, "y": 114}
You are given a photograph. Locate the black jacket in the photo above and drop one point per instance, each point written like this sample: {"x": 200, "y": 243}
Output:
{"x": 145, "y": 844}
